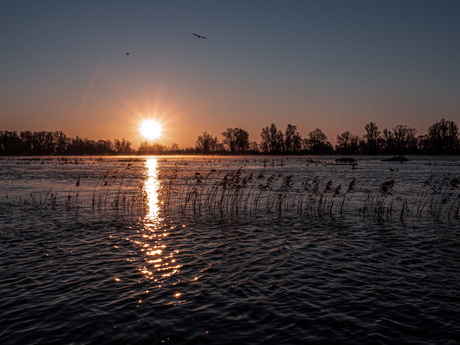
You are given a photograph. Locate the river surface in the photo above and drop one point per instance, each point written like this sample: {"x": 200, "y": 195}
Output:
{"x": 210, "y": 250}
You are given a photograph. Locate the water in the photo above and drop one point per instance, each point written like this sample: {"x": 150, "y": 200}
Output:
{"x": 80, "y": 272}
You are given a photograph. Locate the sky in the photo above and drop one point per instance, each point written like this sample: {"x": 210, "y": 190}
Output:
{"x": 330, "y": 64}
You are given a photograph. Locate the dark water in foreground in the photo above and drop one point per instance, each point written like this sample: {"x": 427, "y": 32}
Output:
{"x": 105, "y": 276}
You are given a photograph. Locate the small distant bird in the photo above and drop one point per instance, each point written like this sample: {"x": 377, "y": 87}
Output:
{"x": 127, "y": 53}
{"x": 199, "y": 36}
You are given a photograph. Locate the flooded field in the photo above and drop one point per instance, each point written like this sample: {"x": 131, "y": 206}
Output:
{"x": 220, "y": 250}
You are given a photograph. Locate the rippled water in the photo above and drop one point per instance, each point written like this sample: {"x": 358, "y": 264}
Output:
{"x": 95, "y": 274}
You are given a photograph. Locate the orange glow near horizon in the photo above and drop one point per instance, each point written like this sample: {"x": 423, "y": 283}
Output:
{"x": 151, "y": 129}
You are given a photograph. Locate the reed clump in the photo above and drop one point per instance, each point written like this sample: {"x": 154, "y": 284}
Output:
{"x": 38, "y": 201}
{"x": 236, "y": 192}
{"x": 435, "y": 202}
{"x": 249, "y": 192}
{"x": 72, "y": 198}
{"x": 119, "y": 190}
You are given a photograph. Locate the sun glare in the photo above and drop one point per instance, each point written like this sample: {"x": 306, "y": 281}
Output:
{"x": 151, "y": 129}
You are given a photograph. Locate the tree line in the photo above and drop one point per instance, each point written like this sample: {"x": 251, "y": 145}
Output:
{"x": 29, "y": 143}
{"x": 442, "y": 137}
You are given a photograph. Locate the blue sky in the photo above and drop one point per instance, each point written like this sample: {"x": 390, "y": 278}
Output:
{"x": 334, "y": 65}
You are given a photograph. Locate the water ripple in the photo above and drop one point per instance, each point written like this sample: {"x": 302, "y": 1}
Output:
{"x": 84, "y": 276}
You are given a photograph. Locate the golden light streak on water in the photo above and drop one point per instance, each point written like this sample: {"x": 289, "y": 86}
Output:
{"x": 160, "y": 263}
{"x": 152, "y": 186}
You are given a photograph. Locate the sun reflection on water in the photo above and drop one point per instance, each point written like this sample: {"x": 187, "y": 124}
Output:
{"x": 152, "y": 186}
{"x": 160, "y": 262}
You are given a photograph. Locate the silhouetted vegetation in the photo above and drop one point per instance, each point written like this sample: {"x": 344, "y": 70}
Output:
{"x": 206, "y": 143}
{"x": 29, "y": 143}
{"x": 372, "y": 138}
{"x": 236, "y": 140}
{"x": 347, "y": 143}
{"x": 442, "y": 138}
{"x": 271, "y": 140}
{"x": 248, "y": 192}
{"x": 317, "y": 143}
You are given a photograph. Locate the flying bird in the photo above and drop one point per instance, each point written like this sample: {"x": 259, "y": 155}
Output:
{"x": 199, "y": 36}
{"x": 127, "y": 53}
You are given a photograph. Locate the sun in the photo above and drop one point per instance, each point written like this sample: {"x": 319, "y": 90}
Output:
{"x": 151, "y": 129}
